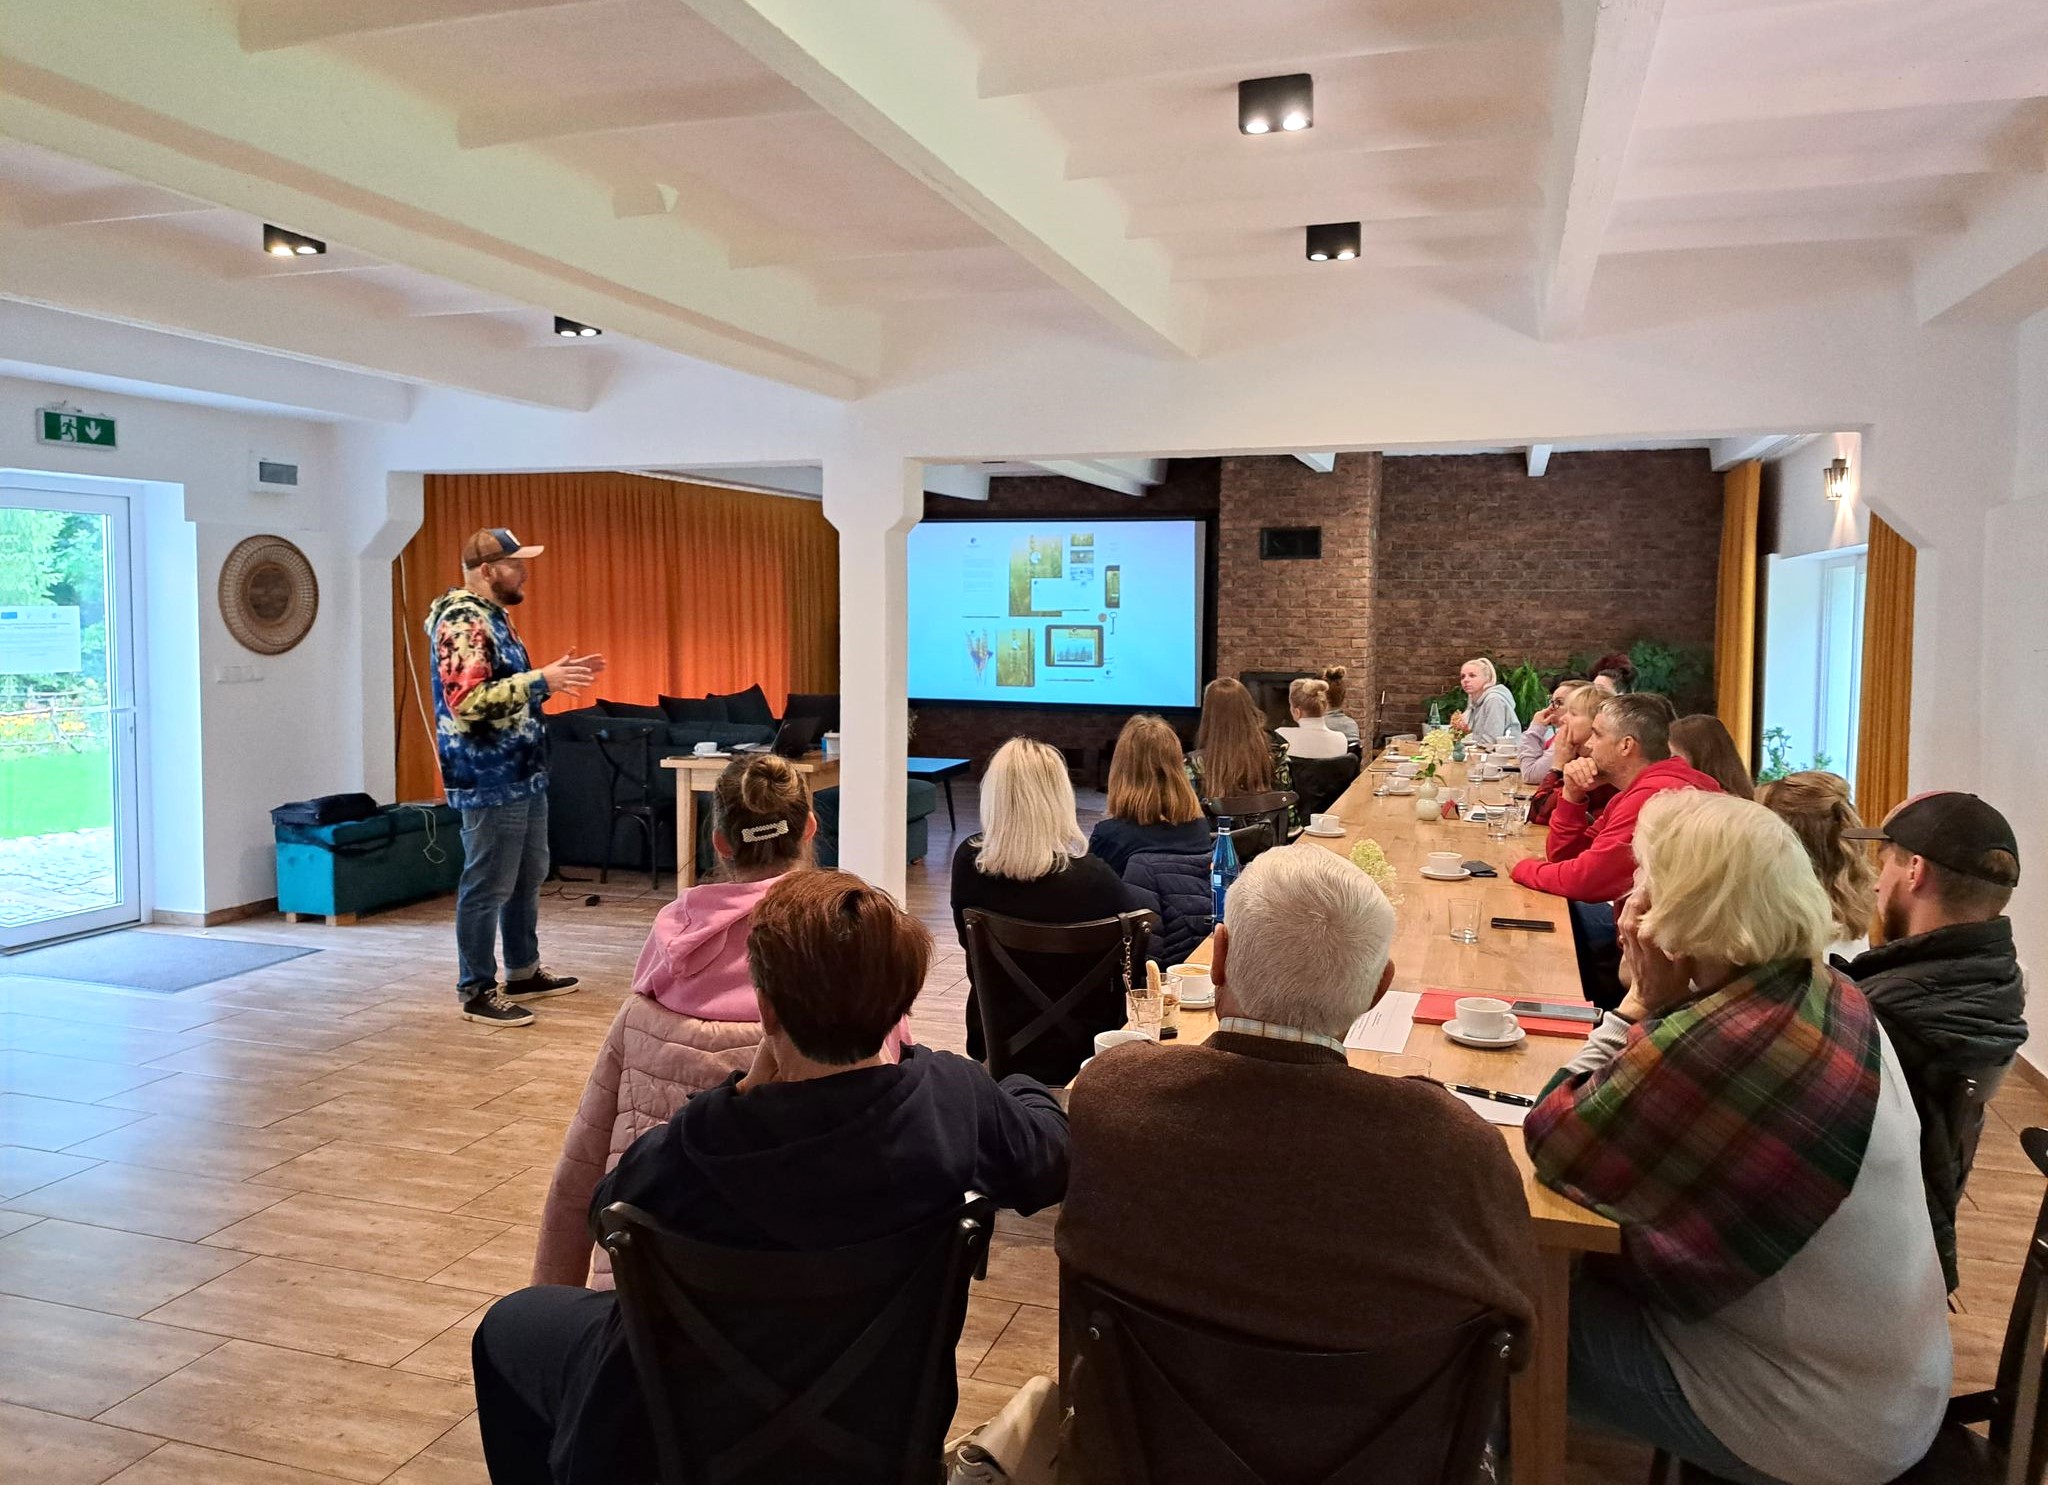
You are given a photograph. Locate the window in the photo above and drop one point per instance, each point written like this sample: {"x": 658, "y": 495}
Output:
{"x": 1813, "y": 658}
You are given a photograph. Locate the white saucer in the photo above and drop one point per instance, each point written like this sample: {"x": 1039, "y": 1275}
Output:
{"x": 1465, "y": 1038}
{"x": 1322, "y": 834}
{"x": 1446, "y": 876}
{"x": 1205, "y": 1003}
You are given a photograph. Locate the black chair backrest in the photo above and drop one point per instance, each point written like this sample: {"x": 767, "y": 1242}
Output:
{"x": 1160, "y": 1398}
{"x": 1319, "y": 781}
{"x": 760, "y": 1366}
{"x": 1251, "y": 840}
{"x": 2016, "y": 1407}
{"x": 1273, "y": 806}
{"x": 1044, "y": 989}
{"x": 632, "y": 763}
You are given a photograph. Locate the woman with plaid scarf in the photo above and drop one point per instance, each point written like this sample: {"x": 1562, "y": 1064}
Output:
{"x": 1777, "y": 1314}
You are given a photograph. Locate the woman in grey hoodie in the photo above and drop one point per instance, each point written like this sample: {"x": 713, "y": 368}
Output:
{"x": 1491, "y": 714}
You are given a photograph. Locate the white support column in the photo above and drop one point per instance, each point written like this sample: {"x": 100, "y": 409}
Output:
{"x": 873, "y": 499}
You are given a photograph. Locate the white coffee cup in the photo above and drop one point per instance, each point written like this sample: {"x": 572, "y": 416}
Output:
{"x": 1325, "y": 823}
{"x": 707, "y": 750}
{"x": 1104, "y": 1040}
{"x": 1407, "y": 770}
{"x": 1192, "y": 983}
{"x": 1484, "y": 1017}
{"x": 1443, "y": 863}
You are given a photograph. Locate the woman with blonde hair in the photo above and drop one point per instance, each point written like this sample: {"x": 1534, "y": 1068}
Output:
{"x": 1540, "y": 736}
{"x": 692, "y": 1020}
{"x": 1311, "y": 736}
{"x": 1336, "y": 718}
{"x": 1574, "y": 730}
{"x": 1704, "y": 742}
{"x": 1031, "y": 861}
{"x": 1816, "y": 805}
{"x": 1152, "y": 806}
{"x": 1491, "y": 714}
{"x": 1777, "y": 1312}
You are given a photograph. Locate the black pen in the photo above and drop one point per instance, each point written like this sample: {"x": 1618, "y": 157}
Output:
{"x": 1493, "y": 1093}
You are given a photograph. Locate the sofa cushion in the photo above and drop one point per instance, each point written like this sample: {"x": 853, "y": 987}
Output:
{"x": 633, "y": 710}
{"x": 749, "y": 706}
{"x": 694, "y": 709}
{"x": 825, "y": 707}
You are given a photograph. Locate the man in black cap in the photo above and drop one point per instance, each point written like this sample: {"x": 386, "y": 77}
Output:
{"x": 494, "y": 767}
{"x": 1943, "y": 977}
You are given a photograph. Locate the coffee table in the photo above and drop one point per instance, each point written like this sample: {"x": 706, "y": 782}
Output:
{"x": 941, "y": 771}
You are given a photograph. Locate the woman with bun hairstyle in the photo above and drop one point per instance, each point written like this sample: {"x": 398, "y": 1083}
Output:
{"x": 1335, "y": 718}
{"x": 692, "y": 1020}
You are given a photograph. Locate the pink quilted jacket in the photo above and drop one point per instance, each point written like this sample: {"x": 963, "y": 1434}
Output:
{"x": 652, "y": 1061}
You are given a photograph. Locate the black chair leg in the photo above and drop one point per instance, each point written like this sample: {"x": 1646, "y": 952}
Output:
{"x": 611, "y": 832}
{"x": 653, "y": 856}
{"x": 952, "y": 820}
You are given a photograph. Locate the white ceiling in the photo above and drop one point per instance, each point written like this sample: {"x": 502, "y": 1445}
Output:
{"x": 762, "y": 182}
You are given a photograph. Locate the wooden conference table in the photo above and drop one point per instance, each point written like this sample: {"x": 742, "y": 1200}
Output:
{"x": 694, "y": 773}
{"x": 1515, "y": 965}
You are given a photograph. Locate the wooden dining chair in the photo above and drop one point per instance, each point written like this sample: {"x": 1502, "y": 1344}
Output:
{"x": 1275, "y": 807}
{"x": 1159, "y": 1398}
{"x": 2013, "y": 1450}
{"x": 1320, "y": 781}
{"x": 760, "y": 1366}
{"x": 636, "y": 791}
{"x": 1043, "y": 990}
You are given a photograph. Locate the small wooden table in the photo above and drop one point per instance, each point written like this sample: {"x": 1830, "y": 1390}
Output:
{"x": 1515, "y": 965}
{"x": 819, "y": 772}
{"x": 941, "y": 771}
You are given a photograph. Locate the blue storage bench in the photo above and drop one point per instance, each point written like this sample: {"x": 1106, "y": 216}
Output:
{"x": 400, "y": 854}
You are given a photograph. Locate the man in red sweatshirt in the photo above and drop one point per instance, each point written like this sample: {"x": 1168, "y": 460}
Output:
{"x": 1592, "y": 858}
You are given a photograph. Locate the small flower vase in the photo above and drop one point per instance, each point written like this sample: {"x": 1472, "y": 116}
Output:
{"x": 1458, "y": 750}
{"x": 1426, "y": 788}
{"x": 1425, "y": 806}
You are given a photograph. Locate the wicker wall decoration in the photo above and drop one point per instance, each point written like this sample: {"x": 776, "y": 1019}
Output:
{"x": 268, "y": 594}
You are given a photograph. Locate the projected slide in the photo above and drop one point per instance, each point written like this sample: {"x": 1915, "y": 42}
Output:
{"x": 1094, "y": 613}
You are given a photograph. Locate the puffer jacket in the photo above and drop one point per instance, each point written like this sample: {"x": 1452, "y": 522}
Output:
{"x": 1175, "y": 885}
{"x": 651, "y": 1063}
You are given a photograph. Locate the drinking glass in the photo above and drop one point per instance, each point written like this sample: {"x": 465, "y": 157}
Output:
{"x": 1145, "y": 1010}
{"x": 1464, "y": 915}
{"x": 1401, "y": 1065}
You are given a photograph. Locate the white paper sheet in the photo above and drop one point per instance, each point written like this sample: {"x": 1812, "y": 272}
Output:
{"x": 1493, "y": 1111}
{"x": 1385, "y": 1027}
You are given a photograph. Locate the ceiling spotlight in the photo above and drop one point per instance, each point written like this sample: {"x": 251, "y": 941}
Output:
{"x": 1289, "y": 99}
{"x": 572, "y": 330}
{"x": 1327, "y": 240}
{"x": 282, "y": 244}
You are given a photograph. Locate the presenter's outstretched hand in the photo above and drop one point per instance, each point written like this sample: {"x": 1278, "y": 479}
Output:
{"x": 572, "y": 672}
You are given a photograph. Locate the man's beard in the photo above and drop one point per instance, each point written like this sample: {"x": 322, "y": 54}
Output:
{"x": 1891, "y": 923}
{"x": 508, "y": 597}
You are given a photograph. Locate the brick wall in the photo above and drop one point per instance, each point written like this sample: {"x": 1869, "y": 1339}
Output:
{"x": 1476, "y": 558}
{"x": 1298, "y": 615}
{"x": 1189, "y": 490}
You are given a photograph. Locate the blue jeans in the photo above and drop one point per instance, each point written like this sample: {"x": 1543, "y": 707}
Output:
{"x": 1621, "y": 1383}
{"x": 504, "y": 861}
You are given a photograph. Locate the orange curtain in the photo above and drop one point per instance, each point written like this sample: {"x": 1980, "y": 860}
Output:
{"x": 1884, "y": 729}
{"x": 1735, "y": 607}
{"x": 684, "y": 589}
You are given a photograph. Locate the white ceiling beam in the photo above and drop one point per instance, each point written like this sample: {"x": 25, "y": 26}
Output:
{"x": 2016, "y": 75}
{"x": 1726, "y": 453}
{"x": 1488, "y": 256}
{"x": 1269, "y": 46}
{"x": 166, "y": 95}
{"x": 1936, "y": 160}
{"x": 44, "y": 344}
{"x": 900, "y": 74}
{"x": 1539, "y": 459}
{"x": 1320, "y": 463}
{"x": 1109, "y": 474}
{"x": 133, "y": 203}
{"x": 1141, "y": 153}
{"x": 140, "y": 285}
{"x": 1420, "y": 202}
{"x": 616, "y": 113}
{"x": 1603, "y": 63}
{"x": 267, "y": 25}
{"x": 1997, "y": 268}
{"x": 1871, "y": 224}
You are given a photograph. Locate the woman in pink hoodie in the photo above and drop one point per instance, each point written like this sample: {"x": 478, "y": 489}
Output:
{"x": 692, "y": 1019}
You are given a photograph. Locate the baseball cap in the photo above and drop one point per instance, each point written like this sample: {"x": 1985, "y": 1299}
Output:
{"x": 1950, "y": 829}
{"x": 494, "y": 544}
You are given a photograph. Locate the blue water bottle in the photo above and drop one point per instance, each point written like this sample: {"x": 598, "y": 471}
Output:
{"x": 1223, "y": 867}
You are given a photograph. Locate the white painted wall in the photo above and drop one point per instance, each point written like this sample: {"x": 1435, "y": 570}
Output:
{"x": 291, "y": 734}
{"x": 1807, "y": 520}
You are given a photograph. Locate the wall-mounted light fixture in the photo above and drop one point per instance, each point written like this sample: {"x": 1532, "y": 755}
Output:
{"x": 1836, "y": 480}
{"x": 282, "y": 244}
{"x": 572, "y": 330}
{"x": 1332, "y": 240}
{"x": 1266, "y": 104}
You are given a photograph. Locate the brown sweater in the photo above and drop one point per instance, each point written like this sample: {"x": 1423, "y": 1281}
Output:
{"x": 1268, "y": 1187}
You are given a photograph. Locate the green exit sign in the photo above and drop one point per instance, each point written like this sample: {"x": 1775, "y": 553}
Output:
{"x": 59, "y": 426}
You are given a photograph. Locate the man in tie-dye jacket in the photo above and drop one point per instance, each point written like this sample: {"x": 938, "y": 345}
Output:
{"x": 494, "y": 767}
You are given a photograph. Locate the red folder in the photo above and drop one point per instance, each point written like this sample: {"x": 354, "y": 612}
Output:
{"x": 1439, "y": 1006}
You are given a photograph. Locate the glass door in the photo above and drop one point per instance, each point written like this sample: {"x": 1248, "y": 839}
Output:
{"x": 69, "y": 854}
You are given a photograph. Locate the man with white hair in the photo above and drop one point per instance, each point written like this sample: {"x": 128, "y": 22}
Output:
{"x": 1259, "y": 1182}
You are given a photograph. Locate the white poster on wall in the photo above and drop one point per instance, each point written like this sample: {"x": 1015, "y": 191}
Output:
{"x": 39, "y": 641}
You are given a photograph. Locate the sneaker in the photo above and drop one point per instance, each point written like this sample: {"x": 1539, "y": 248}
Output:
{"x": 539, "y": 986}
{"x": 493, "y": 1009}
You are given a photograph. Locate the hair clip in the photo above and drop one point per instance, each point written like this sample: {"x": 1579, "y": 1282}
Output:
{"x": 754, "y": 833}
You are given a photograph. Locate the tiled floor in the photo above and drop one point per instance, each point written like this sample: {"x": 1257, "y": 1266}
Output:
{"x": 246, "y": 1230}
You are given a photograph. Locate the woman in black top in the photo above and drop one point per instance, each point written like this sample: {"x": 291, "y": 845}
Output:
{"x": 1152, "y": 806}
{"x": 1030, "y": 862}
